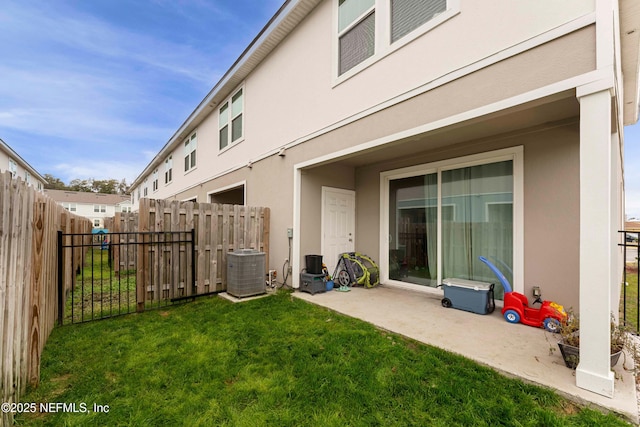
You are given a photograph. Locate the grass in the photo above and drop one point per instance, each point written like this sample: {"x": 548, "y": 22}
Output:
{"x": 631, "y": 317}
{"x": 99, "y": 292}
{"x": 276, "y": 361}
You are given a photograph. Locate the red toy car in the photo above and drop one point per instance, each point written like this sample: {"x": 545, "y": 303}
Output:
{"x": 516, "y": 306}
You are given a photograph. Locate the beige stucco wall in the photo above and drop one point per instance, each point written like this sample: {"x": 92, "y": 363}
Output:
{"x": 293, "y": 93}
{"x": 269, "y": 182}
{"x": 551, "y": 204}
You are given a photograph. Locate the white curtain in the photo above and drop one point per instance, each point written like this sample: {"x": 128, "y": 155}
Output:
{"x": 482, "y": 223}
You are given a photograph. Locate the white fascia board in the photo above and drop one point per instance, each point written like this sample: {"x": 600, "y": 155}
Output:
{"x": 22, "y": 162}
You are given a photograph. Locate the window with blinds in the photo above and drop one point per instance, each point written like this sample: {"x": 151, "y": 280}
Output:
{"x": 407, "y": 15}
{"x": 356, "y": 32}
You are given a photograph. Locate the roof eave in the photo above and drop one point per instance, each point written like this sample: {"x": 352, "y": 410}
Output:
{"x": 23, "y": 162}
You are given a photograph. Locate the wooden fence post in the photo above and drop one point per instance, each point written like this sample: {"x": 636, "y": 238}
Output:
{"x": 36, "y": 288}
{"x": 141, "y": 275}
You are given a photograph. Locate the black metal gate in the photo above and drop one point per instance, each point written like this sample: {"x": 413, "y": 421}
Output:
{"x": 123, "y": 273}
{"x": 630, "y": 303}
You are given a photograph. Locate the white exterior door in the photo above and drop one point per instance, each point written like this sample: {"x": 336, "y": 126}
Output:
{"x": 338, "y": 224}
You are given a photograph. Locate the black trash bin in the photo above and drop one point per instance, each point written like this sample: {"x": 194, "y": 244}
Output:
{"x": 314, "y": 264}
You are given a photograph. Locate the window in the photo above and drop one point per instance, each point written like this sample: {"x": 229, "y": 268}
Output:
{"x": 100, "y": 208}
{"x": 71, "y": 207}
{"x": 442, "y": 216}
{"x": 368, "y": 30}
{"x": 190, "y": 146}
{"x": 96, "y": 223}
{"x": 145, "y": 189}
{"x": 155, "y": 180}
{"x": 407, "y": 15}
{"x": 27, "y": 177}
{"x": 13, "y": 168}
{"x": 356, "y": 32}
{"x": 168, "y": 168}
{"x": 230, "y": 122}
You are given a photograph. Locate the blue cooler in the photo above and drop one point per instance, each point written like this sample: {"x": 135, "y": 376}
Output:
{"x": 468, "y": 295}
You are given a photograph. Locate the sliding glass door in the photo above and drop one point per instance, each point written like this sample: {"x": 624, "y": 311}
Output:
{"x": 413, "y": 229}
{"x": 441, "y": 221}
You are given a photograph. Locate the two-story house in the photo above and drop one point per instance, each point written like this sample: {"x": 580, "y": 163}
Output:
{"x": 95, "y": 206}
{"x": 426, "y": 134}
{"x": 18, "y": 167}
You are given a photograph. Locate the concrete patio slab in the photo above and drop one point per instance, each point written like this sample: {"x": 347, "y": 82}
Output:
{"x": 515, "y": 350}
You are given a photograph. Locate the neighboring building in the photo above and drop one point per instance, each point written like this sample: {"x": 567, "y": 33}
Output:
{"x": 125, "y": 206}
{"x": 19, "y": 168}
{"x": 95, "y": 206}
{"x": 428, "y": 133}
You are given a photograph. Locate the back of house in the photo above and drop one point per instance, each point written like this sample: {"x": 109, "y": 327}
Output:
{"x": 426, "y": 134}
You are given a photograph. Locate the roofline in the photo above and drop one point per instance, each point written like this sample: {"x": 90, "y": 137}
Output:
{"x": 25, "y": 164}
{"x": 220, "y": 90}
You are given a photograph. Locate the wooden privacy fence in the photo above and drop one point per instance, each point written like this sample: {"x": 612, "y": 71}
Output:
{"x": 218, "y": 230}
{"x": 28, "y": 281}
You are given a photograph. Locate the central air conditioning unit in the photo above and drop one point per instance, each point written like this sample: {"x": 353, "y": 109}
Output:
{"x": 246, "y": 273}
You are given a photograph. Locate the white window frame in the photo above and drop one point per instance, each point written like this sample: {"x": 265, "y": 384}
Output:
{"x": 231, "y": 117}
{"x": 383, "y": 45}
{"x": 168, "y": 170}
{"x": 515, "y": 154}
{"x": 154, "y": 183}
{"x": 13, "y": 167}
{"x": 190, "y": 146}
{"x": 71, "y": 207}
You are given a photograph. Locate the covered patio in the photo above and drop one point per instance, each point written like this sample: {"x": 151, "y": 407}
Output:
{"x": 515, "y": 350}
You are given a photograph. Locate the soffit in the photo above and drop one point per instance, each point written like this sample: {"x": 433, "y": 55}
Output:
{"x": 630, "y": 49}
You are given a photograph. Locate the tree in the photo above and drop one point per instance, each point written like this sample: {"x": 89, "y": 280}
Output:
{"x": 82, "y": 185}
{"x": 91, "y": 185}
{"x": 54, "y": 183}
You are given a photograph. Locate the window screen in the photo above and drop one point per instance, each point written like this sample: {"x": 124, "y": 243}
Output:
{"x": 407, "y": 15}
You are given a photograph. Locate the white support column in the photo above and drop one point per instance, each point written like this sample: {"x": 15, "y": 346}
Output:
{"x": 597, "y": 224}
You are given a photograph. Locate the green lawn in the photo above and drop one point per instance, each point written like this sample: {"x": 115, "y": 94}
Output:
{"x": 631, "y": 297}
{"x": 276, "y": 361}
{"x": 99, "y": 292}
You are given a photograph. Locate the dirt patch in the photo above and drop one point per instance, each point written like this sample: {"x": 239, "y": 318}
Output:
{"x": 569, "y": 408}
{"x": 60, "y": 384}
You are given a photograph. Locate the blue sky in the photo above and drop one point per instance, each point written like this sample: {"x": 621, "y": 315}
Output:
{"x": 94, "y": 88}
